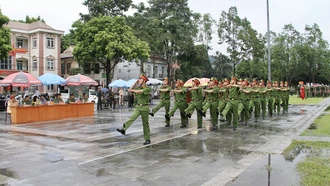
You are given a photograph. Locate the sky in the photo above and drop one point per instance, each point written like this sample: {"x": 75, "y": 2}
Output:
{"x": 60, "y": 14}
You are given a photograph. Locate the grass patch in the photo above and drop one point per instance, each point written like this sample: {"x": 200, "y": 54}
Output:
{"x": 315, "y": 168}
{"x": 295, "y": 100}
{"x": 321, "y": 127}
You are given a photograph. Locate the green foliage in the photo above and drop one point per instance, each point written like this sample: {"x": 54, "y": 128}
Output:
{"x": 204, "y": 25}
{"x": 75, "y": 71}
{"x": 5, "y": 46}
{"x": 107, "y": 40}
{"x": 67, "y": 40}
{"x": 98, "y": 8}
{"x": 323, "y": 127}
{"x": 222, "y": 66}
{"x": 244, "y": 43}
{"x": 29, "y": 19}
{"x": 195, "y": 63}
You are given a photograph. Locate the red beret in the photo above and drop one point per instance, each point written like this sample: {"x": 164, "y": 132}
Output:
{"x": 144, "y": 77}
{"x": 197, "y": 82}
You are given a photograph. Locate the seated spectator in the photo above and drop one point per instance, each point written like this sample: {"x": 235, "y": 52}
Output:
{"x": 43, "y": 100}
{"x": 84, "y": 98}
{"x": 71, "y": 99}
{"x": 58, "y": 99}
{"x": 26, "y": 101}
{"x": 35, "y": 101}
{"x": 11, "y": 103}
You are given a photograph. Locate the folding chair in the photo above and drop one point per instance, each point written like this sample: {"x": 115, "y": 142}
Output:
{"x": 7, "y": 114}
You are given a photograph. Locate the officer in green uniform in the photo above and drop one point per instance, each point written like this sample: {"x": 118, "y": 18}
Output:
{"x": 255, "y": 99}
{"x": 270, "y": 98}
{"x": 26, "y": 100}
{"x": 277, "y": 96}
{"x": 165, "y": 101}
{"x": 232, "y": 103}
{"x": 180, "y": 102}
{"x": 211, "y": 102}
{"x": 71, "y": 99}
{"x": 84, "y": 98}
{"x": 244, "y": 101}
{"x": 223, "y": 99}
{"x": 262, "y": 97}
{"x": 142, "y": 94}
{"x": 196, "y": 101}
{"x": 286, "y": 95}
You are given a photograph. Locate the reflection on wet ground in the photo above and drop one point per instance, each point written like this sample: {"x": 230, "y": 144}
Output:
{"x": 280, "y": 172}
{"x": 89, "y": 151}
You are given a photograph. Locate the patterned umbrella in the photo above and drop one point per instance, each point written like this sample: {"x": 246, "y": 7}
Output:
{"x": 20, "y": 79}
{"x": 203, "y": 81}
{"x": 79, "y": 79}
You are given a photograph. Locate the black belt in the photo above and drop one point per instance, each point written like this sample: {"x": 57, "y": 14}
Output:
{"x": 195, "y": 100}
{"x": 212, "y": 100}
{"x": 232, "y": 98}
{"x": 165, "y": 99}
{"x": 179, "y": 101}
{"x": 141, "y": 105}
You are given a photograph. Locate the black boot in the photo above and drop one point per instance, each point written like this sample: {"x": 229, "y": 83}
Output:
{"x": 151, "y": 114}
{"x": 235, "y": 128}
{"x": 201, "y": 113}
{"x": 183, "y": 126}
{"x": 122, "y": 131}
{"x": 188, "y": 115}
{"x": 147, "y": 142}
{"x": 167, "y": 125}
{"x": 167, "y": 117}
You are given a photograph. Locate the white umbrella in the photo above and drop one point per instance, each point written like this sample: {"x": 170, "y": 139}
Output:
{"x": 153, "y": 81}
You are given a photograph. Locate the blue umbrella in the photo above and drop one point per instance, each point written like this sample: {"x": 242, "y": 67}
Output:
{"x": 118, "y": 83}
{"x": 130, "y": 82}
{"x": 104, "y": 90}
{"x": 51, "y": 79}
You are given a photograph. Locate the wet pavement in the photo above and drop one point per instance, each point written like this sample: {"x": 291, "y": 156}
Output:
{"x": 89, "y": 151}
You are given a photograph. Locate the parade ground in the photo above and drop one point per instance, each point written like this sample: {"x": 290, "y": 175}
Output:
{"x": 89, "y": 151}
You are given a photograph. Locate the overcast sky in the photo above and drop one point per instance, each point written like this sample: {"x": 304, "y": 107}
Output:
{"x": 60, "y": 14}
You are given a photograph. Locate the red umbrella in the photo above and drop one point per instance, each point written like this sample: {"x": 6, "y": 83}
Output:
{"x": 20, "y": 79}
{"x": 79, "y": 79}
{"x": 203, "y": 81}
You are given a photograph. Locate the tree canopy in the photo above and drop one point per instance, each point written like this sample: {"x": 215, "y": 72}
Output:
{"x": 107, "y": 40}
{"x": 5, "y": 46}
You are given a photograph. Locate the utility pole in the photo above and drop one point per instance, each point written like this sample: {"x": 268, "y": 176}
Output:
{"x": 268, "y": 44}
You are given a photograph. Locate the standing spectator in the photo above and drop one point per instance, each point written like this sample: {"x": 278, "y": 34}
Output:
{"x": 121, "y": 96}
{"x": 99, "y": 99}
{"x": 11, "y": 103}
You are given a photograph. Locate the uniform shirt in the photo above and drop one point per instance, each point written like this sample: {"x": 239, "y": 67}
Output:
{"x": 180, "y": 96}
{"x": 233, "y": 92}
{"x": 165, "y": 95}
{"x": 28, "y": 102}
{"x": 223, "y": 95}
{"x": 262, "y": 94}
{"x": 243, "y": 95}
{"x": 143, "y": 99}
{"x": 58, "y": 100}
{"x": 254, "y": 94}
{"x": 71, "y": 100}
{"x": 212, "y": 96}
{"x": 197, "y": 94}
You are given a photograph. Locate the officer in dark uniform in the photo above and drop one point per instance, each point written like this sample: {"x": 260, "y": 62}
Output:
{"x": 99, "y": 99}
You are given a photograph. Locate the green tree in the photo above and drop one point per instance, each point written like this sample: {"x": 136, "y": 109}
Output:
{"x": 222, "y": 66}
{"x": 29, "y": 19}
{"x": 205, "y": 28}
{"x": 67, "y": 40}
{"x": 107, "y": 40}
{"x": 244, "y": 43}
{"x": 105, "y": 8}
{"x": 194, "y": 62}
{"x": 176, "y": 28}
{"x": 5, "y": 46}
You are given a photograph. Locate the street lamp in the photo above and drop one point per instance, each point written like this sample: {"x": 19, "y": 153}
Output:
{"x": 268, "y": 43}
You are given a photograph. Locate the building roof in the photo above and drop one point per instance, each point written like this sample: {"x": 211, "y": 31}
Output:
{"x": 68, "y": 53}
{"x": 30, "y": 26}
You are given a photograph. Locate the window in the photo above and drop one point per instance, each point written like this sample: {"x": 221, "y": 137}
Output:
{"x": 62, "y": 68}
{"x": 19, "y": 43}
{"x": 50, "y": 42}
{"x": 19, "y": 65}
{"x": 5, "y": 63}
{"x": 97, "y": 68}
{"x": 87, "y": 68}
{"x": 68, "y": 68}
{"x": 34, "y": 64}
{"x": 50, "y": 87}
{"x": 50, "y": 63}
{"x": 34, "y": 43}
